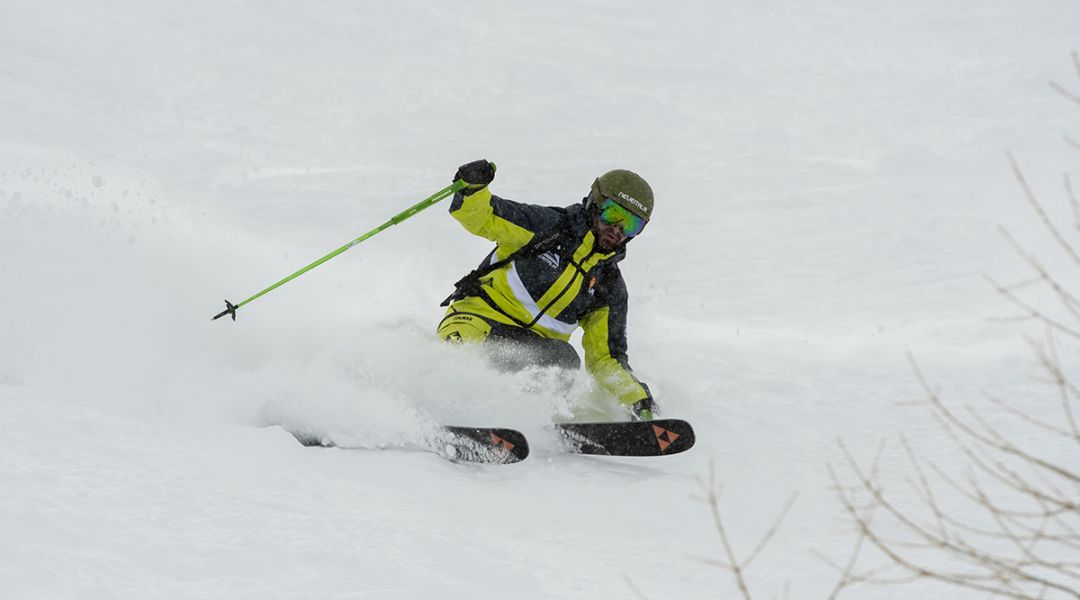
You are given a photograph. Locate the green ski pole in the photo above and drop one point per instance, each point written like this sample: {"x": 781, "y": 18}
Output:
{"x": 230, "y": 308}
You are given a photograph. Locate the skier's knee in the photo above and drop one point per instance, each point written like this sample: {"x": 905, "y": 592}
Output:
{"x": 463, "y": 328}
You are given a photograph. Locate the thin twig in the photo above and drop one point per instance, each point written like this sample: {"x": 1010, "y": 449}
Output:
{"x": 961, "y": 580}
{"x": 637, "y": 592}
{"x": 995, "y": 443}
{"x": 926, "y": 489}
{"x": 733, "y": 564}
{"x": 1067, "y": 299}
{"x": 1052, "y": 363}
{"x": 998, "y": 568}
{"x": 1030, "y": 420}
{"x": 1027, "y": 283}
{"x": 771, "y": 532}
{"x": 1032, "y": 311}
{"x": 1017, "y": 519}
{"x": 1071, "y": 195}
{"x": 1064, "y": 92}
{"x": 1035, "y": 204}
{"x": 713, "y": 495}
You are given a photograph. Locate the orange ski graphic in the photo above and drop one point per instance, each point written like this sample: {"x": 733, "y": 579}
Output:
{"x": 500, "y": 443}
{"x": 664, "y": 437}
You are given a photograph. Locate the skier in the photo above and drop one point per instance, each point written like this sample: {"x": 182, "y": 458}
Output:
{"x": 552, "y": 270}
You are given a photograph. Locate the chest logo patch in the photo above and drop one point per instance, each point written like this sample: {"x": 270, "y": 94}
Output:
{"x": 551, "y": 259}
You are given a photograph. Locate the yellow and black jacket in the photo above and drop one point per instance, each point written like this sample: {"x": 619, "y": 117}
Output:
{"x": 551, "y": 289}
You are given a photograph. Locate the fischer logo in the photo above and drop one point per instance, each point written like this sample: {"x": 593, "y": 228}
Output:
{"x": 664, "y": 437}
{"x": 633, "y": 201}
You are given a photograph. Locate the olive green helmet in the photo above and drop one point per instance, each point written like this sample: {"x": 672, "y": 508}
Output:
{"x": 627, "y": 188}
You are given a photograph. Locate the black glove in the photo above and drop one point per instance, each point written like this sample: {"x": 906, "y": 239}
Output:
{"x": 477, "y": 174}
{"x": 643, "y": 410}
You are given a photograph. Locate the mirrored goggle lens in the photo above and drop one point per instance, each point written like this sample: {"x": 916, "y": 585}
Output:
{"x": 612, "y": 213}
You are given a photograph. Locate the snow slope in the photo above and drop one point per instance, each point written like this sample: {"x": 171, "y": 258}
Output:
{"x": 829, "y": 178}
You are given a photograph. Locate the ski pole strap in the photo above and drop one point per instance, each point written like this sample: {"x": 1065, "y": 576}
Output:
{"x": 230, "y": 309}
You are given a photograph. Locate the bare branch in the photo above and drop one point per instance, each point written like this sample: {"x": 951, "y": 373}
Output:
{"x": 989, "y": 441}
{"x": 1011, "y": 479}
{"x": 848, "y": 577}
{"x": 927, "y": 491}
{"x": 1017, "y": 519}
{"x": 1007, "y": 524}
{"x": 1023, "y": 543}
{"x": 1027, "y": 418}
{"x": 1052, "y": 363}
{"x": 1020, "y": 515}
{"x": 1035, "y": 204}
{"x": 1071, "y": 195}
{"x": 1072, "y": 142}
{"x": 771, "y": 532}
{"x": 637, "y": 592}
{"x": 964, "y": 580}
{"x": 714, "y": 563}
{"x": 1064, "y": 92}
{"x": 1001, "y": 575}
{"x": 1001, "y": 443}
{"x": 713, "y": 494}
{"x": 1034, "y": 281}
{"x": 733, "y": 564}
{"x": 1067, "y": 299}
{"x": 1034, "y": 312}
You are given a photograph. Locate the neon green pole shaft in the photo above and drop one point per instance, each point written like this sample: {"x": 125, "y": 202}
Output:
{"x": 230, "y": 309}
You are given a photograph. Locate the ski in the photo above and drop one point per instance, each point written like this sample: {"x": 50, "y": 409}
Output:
{"x": 487, "y": 445}
{"x": 500, "y": 445}
{"x": 484, "y": 445}
{"x": 631, "y": 438}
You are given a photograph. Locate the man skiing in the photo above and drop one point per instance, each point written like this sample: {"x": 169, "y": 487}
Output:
{"x": 553, "y": 270}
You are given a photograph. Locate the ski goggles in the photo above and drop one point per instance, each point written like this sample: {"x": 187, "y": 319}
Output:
{"x": 613, "y": 213}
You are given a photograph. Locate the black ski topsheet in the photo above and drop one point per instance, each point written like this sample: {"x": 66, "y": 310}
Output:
{"x": 633, "y": 438}
{"x": 500, "y": 445}
{"x": 487, "y": 445}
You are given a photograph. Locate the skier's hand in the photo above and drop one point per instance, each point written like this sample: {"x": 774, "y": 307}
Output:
{"x": 477, "y": 174}
{"x": 643, "y": 410}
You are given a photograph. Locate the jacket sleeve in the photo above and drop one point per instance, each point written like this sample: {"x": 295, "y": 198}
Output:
{"x": 507, "y": 223}
{"x": 605, "y": 343}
